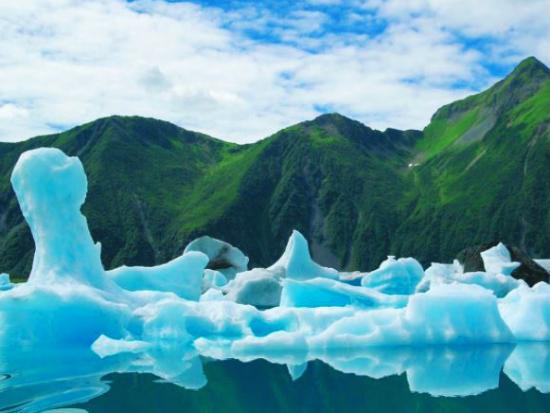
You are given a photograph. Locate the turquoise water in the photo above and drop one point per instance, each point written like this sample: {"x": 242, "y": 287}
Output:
{"x": 460, "y": 379}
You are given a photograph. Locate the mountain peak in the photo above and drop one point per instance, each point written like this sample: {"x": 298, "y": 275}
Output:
{"x": 531, "y": 64}
{"x": 529, "y": 70}
{"x": 332, "y": 118}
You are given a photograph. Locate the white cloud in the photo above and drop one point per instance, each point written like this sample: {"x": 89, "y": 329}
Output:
{"x": 66, "y": 62}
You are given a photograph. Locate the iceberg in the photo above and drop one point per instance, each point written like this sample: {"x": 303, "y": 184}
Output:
{"x": 399, "y": 276}
{"x": 497, "y": 260}
{"x": 527, "y": 312}
{"x": 213, "y": 279}
{"x": 296, "y": 261}
{"x": 438, "y": 273}
{"x": 324, "y": 292}
{"x": 222, "y": 256}
{"x": 259, "y": 287}
{"x": 182, "y": 276}
{"x": 5, "y": 283}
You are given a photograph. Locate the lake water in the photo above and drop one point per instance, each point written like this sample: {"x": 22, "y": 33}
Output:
{"x": 440, "y": 379}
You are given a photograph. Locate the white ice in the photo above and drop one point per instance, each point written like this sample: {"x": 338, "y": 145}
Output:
{"x": 399, "y": 276}
{"x": 497, "y": 260}
{"x": 438, "y": 274}
{"x": 222, "y": 256}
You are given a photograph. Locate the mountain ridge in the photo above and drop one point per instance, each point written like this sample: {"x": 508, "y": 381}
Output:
{"x": 470, "y": 177}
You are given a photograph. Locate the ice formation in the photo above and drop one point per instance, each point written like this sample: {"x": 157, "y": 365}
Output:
{"x": 222, "y": 256}
{"x": 324, "y": 292}
{"x": 395, "y": 276}
{"x": 437, "y": 273}
{"x": 150, "y": 319}
{"x": 131, "y": 311}
{"x": 5, "y": 283}
{"x": 213, "y": 279}
{"x": 182, "y": 276}
{"x": 259, "y": 287}
{"x": 296, "y": 261}
{"x": 497, "y": 260}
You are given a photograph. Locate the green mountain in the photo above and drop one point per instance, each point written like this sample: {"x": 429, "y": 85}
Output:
{"x": 479, "y": 172}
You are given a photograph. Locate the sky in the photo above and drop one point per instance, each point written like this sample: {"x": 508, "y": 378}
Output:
{"x": 242, "y": 70}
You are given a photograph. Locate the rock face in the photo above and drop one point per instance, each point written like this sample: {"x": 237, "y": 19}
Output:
{"x": 529, "y": 270}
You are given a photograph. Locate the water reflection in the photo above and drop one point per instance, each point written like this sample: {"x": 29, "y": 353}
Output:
{"x": 33, "y": 381}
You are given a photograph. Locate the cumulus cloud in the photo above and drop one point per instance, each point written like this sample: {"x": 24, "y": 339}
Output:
{"x": 243, "y": 73}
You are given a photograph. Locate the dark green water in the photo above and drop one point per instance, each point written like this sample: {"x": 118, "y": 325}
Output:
{"x": 262, "y": 387}
{"x": 462, "y": 379}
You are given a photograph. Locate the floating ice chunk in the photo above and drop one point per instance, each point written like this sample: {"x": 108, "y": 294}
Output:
{"x": 323, "y": 292}
{"x": 438, "y": 274}
{"x": 529, "y": 366}
{"x": 213, "y": 279}
{"x": 105, "y": 346}
{"x": 222, "y": 256}
{"x": 5, "y": 283}
{"x": 497, "y": 260}
{"x": 51, "y": 188}
{"x": 296, "y": 261}
{"x": 499, "y": 284}
{"x": 69, "y": 314}
{"x": 447, "y": 314}
{"x": 182, "y": 276}
{"x": 395, "y": 276}
{"x": 259, "y": 287}
{"x": 527, "y": 312}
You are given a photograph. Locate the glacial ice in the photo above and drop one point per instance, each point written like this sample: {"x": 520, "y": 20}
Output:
{"x": 5, "y": 283}
{"x": 399, "y": 276}
{"x": 213, "y": 279}
{"x": 497, "y": 260}
{"x": 159, "y": 312}
{"x": 222, "y": 256}
{"x": 259, "y": 287}
{"x": 296, "y": 261}
{"x": 438, "y": 273}
{"x": 324, "y": 292}
{"x": 183, "y": 276}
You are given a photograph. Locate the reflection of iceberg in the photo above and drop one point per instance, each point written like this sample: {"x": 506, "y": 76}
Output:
{"x": 529, "y": 366}
{"x": 437, "y": 370}
{"x": 458, "y": 371}
{"x": 53, "y": 377}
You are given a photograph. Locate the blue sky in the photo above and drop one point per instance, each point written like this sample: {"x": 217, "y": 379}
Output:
{"x": 242, "y": 70}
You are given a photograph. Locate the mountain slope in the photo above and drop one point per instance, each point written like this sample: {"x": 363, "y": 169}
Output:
{"x": 478, "y": 173}
{"x": 139, "y": 172}
{"x": 487, "y": 176}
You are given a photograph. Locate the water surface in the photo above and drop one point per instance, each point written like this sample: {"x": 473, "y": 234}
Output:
{"x": 492, "y": 378}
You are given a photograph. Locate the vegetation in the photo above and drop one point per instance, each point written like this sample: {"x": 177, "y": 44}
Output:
{"x": 479, "y": 172}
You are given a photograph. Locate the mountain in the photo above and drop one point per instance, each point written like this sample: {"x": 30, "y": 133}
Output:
{"x": 484, "y": 171}
{"x": 478, "y": 173}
